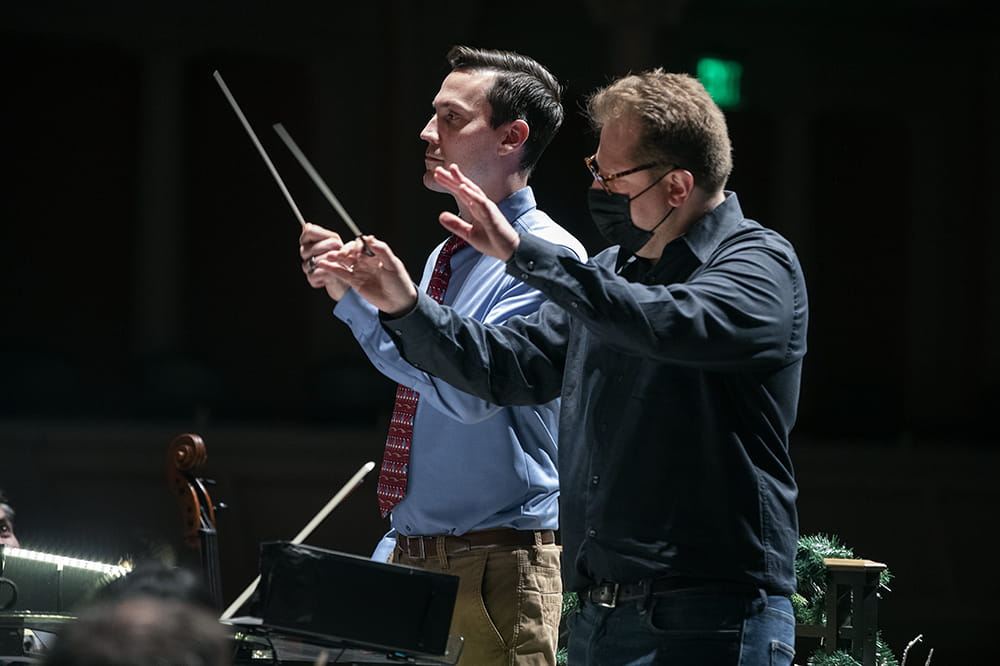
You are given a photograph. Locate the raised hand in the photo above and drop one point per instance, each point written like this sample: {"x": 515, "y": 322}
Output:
{"x": 381, "y": 279}
{"x": 314, "y": 242}
{"x": 488, "y": 230}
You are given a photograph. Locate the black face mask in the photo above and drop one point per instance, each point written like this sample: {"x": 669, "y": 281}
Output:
{"x": 612, "y": 213}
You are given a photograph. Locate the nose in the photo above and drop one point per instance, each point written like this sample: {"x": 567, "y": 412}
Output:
{"x": 429, "y": 133}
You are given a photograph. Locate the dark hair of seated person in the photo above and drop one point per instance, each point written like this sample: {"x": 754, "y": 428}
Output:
{"x": 158, "y": 581}
{"x": 142, "y": 631}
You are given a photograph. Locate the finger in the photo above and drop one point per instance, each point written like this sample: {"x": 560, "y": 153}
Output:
{"x": 346, "y": 254}
{"x": 383, "y": 259}
{"x": 474, "y": 199}
{"x": 468, "y": 193}
{"x": 446, "y": 178}
{"x": 455, "y": 225}
{"x": 450, "y": 177}
{"x": 464, "y": 181}
{"x": 316, "y": 275}
{"x": 380, "y": 249}
{"x": 342, "y": 272}
{"x": 328, "y": 245}
{"x": 313, "y": 232}
{"x": 307, "y": 239}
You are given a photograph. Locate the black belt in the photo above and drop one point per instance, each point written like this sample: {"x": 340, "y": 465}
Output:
{"x": 610, "y": 595}
{"x": 421, "y": 547}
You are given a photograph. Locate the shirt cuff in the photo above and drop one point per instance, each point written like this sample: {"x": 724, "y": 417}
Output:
{"x": 532, "y": 257}
{"x": 415, "y": 330}
{"x": 356, "y": 312}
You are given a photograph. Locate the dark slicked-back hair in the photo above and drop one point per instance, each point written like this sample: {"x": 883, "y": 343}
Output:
{"x": 522, "y": 90}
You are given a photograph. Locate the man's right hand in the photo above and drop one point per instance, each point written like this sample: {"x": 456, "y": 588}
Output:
{"x": 315, "y": 242}
{"x": 380, "y": 279}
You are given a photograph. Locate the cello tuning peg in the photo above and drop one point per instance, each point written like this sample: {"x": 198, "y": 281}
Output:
{"x": 220, "y": 506}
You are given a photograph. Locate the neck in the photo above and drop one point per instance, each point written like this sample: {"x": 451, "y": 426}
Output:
{"x": 697, "y": 206}
{"x": 498, "y": 189}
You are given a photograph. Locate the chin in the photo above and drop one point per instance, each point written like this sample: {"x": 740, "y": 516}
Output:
{"x": 432, "y": 184}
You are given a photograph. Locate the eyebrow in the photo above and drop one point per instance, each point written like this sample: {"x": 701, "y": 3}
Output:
{"x": 450, "y": 105}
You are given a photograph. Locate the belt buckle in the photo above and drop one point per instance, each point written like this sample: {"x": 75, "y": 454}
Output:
{"x": 614, "y": 595}
{"x": 409, "y": 550}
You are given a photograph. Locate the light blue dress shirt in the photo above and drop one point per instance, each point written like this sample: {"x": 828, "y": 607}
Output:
{"x": 473, "y": 465}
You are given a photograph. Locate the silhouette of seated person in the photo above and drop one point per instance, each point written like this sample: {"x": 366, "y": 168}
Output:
{"x": 154, "y": 615}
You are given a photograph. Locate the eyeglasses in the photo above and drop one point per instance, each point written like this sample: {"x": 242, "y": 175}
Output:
{"x": 603, "y": 180}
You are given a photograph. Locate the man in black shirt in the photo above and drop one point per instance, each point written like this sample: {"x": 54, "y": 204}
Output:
{"x": 678, "y": 355}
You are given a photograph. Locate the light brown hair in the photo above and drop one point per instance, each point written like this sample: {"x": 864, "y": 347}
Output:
{"x": 680, "y": 125}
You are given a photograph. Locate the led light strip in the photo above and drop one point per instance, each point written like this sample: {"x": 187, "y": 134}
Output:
{"x": 114, "y": 570}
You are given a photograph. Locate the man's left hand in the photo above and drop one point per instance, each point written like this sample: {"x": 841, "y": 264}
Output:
{"x": 488, "y": 231}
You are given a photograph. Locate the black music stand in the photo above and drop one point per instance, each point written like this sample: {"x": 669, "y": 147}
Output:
{"x": 378, "y": 612}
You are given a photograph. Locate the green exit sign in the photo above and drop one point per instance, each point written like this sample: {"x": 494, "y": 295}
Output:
{"x": 721, "y": 79}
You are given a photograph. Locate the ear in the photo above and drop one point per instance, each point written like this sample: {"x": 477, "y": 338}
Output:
{"x": 514, "y": 135}
{"x": 681, "y": 184}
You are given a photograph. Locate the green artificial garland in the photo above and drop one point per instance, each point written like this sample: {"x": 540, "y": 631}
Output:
{"x": 809, "y": 600}
{"x": 570, "y": 604}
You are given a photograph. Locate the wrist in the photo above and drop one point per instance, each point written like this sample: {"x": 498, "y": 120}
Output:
{"x": 514, "y": 243}
{"x": 336, "y": 290}
{"x": 403, "y": 308}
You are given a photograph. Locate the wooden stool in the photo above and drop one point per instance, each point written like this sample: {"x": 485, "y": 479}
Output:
{"x": 851, "y": 609}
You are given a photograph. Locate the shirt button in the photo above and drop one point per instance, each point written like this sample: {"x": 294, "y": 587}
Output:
{"x": 574, "y": 305}
{"x": 595, "y": 479}
{"x": 398, "y": 332}
{"x": 531, "y": 264}
{"x": 603, "y": 427}
{"x": 591, "y": 532}
{"x": 524, "y": 276}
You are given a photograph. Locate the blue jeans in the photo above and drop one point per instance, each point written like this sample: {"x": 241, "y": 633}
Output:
{"x": 701, "y": 626}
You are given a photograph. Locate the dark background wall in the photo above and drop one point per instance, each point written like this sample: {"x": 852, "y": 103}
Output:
{"x": 151, "y": 284}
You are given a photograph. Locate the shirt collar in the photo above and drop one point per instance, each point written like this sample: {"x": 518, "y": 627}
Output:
{"x": 683, "y": 255}
{"x": 513, "y": 207}
{"x": 518, "y": 203}
{"x": 706, "y": 234}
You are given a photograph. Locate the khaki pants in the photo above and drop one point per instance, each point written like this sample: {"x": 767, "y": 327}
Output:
{"x": 509, "y": 602}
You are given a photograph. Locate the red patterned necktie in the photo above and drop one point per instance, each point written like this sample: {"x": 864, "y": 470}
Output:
{"x": 396, "y": 459}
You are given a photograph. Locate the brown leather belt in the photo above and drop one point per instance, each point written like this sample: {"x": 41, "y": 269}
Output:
{"x": 422, "y": 547}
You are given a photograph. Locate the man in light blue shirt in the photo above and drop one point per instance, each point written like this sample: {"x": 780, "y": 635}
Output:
{"x": 481, "y": 498}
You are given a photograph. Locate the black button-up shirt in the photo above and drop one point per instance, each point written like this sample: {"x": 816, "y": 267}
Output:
{"x": 679, "y": 385}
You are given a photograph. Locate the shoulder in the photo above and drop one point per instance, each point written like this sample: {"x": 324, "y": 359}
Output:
{"x": 539, "y": 224}
{"x": 766, "y": 250}
{"x": 750, "y": 233}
